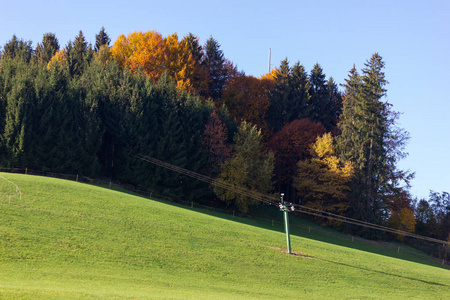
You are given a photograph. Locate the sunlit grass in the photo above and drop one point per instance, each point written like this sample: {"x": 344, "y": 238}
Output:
{"x": 67, "y": 240}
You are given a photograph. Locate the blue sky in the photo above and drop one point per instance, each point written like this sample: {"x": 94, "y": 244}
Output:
{"x": 413, "y": 37}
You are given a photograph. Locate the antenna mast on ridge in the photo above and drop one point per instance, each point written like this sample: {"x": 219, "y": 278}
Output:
{"x": 270, "y": 56}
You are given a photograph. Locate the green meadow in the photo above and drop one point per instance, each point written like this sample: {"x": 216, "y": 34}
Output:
{"x": 68, "y": 240}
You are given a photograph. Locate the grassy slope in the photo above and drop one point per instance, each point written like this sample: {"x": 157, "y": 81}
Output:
{"x": 70, "y": 240}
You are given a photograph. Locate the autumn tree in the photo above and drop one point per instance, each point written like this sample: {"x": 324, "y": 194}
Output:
{"x": 323, "y": 180}
{"x": 155, "y": 55}
{"x": 249, "y": 166}
{"x": 290, "y": 145}
{"x": 215, "y": 144}
{"x": 144, "y": 50}
{"x": 246, "y": 99}
{"x": 401, "y": 211}
{"x": 179, "y": 62}
{"x": 200, "y": 76}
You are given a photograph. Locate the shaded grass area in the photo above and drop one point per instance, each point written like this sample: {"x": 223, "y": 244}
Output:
{"x": 69, "y": 240}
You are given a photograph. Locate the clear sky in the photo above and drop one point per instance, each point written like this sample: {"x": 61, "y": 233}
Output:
{"x": 413, "y": 37}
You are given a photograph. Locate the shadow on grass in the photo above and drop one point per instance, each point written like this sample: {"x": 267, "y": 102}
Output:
{"x": 382, "y": 272}
{"x": 270, "y": 218}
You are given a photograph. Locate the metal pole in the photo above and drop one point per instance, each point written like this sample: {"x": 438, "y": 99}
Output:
{"x": 286, "y": 224}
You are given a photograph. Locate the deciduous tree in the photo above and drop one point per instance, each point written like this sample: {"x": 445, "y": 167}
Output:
{"x": 246, "y": 98}
{"x": 215, "y": 144}
{"x": 290, "y": 145}
{"x": 323, "y": 180}
{"x": 249, "y": 166}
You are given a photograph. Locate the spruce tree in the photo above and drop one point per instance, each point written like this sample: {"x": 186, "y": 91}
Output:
{"x": 45, "y": 50}
{"x": 101, "y": 39}
{"x": 77, "y": 54}
{"x": 17, "y": 48}
{"x": 320, "y": 97}
{"x": 289, "y": 99}
{"x": 363, "y": 130}
{"x": 215, "y": 63}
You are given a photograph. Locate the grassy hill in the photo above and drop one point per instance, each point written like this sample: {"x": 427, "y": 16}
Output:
{"x": 68, "y": 240}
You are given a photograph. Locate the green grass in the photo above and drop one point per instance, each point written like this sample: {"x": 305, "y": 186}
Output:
{"x": 68, "y": 240}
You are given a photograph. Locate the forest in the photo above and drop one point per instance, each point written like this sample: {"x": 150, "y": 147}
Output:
{"x": 90, "y": 109}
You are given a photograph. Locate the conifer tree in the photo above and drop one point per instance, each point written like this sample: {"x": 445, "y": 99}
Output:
{"x": 17, "y": 48}
{"x": 363, "y": 126}
{"x": 45, "y": 51}
{"x": 200, "y": 76}
{"x": 77, "y": 54}
{"x": 101, "y": 39}
{"x": 215, "y": 63}
{"x": 289, "y": 99}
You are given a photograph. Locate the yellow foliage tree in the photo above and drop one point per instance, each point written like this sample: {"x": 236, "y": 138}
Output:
{"x": 144, "y": 50}
{"x": 179, "y": 62}
{"x": 155, "y": 55}
{"x": 322, "y": 181}
{"x": 60, "y": 58}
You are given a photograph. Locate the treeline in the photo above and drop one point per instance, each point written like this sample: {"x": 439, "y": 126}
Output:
{"x": 91, "y": 109}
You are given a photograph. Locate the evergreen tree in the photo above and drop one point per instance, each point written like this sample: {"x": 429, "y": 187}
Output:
{"x": 101, "y": 39}
{"x": 335, "y": 103}
{"x": 215, "y": 63}
{"x": 17, "y": 48}
{"x": 78, "y": 53}
{"x": 200, "y": 76}
{"x": 45, "y": 51}
{"x": 289, "y": 99}
{"x": 20, "y": 102}
{"x": 363, "y": 128}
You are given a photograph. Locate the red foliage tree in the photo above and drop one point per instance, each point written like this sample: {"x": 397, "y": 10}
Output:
{"x": 215, "y": 144}
{"x": 290, "y": 145}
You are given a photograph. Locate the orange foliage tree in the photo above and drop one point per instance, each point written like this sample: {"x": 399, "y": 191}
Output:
{"x": 155, "y": 55}
{"x": 401, "y": 211}
{"x": 246, "y": 99}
